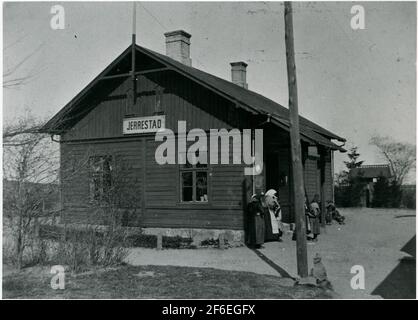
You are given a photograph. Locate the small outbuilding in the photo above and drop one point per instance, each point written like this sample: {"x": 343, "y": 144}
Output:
{"x": 369, "y": 175}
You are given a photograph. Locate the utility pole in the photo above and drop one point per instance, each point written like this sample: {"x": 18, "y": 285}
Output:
{"x": 297, "y": 169}
{"x": 133, "y": 51}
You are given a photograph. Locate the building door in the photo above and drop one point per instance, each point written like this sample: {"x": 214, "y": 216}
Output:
{"x": 272, "y": 172}
{"x": 278, "y": 178}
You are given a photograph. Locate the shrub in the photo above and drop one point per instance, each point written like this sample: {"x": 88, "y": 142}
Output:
{"x": 381, "y": 193}
{"x": 342, "y": 196}
{"x": 408, "y": 199}
{"x": 349, "y": 195}
{"x": 142, "y": 240}
{"x": 210, "y": 243}
{"x": 395, "y": 195}
{"x": 177, "y": 242}
{"x": 87, "y": 246}
{"x": 96, "y": 237}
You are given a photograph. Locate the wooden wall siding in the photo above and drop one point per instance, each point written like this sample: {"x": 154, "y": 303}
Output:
{"x": 328, "y": 181}
{"x": 194, "y": 218}
{"x": 156, "y": 185}
{"x": 227, "y": 186}
{"x": 75, "y": 183}
{"x": 142, "y": 62}
{"x": 182, "y": 99}
{"x": 164, "y": 208}
{"x": 311, "y": 180}
{"x": 161, "y": 186}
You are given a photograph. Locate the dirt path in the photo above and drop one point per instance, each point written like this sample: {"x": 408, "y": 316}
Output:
{"x": 237, "y": 259}
{"x": 372, "y": 238}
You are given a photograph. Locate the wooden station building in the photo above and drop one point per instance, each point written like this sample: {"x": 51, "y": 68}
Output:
{"x": 96, "y": 126}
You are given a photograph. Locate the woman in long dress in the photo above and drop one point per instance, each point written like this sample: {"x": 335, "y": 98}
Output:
{"x": 256, "y": 222}
{"x": 316, "y": 210}
{"x": 272, "y": 217}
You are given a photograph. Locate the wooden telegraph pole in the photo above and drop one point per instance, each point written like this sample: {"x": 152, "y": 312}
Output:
{"x": 133, "y": 51}
{"x": 297, "y": 170}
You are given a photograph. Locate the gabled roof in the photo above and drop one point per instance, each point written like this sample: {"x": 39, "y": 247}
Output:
{"x": 371, "y": 171}
{"x": 244, "y": 98}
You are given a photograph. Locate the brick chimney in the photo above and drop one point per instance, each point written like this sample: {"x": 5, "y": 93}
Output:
{"x": 239, "y": 73}
{"x": 177, "y": 45}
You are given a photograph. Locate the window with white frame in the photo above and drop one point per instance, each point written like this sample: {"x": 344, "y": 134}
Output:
{"x": 193, "y": 182}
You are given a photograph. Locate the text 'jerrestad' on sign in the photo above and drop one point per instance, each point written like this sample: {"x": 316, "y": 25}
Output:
{"x": 143, "y": 124}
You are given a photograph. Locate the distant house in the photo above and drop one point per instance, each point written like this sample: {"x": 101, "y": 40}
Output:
{"x": 369, "y": 174}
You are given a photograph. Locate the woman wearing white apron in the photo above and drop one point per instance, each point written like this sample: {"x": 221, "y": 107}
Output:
{"x": 273, "y": 217}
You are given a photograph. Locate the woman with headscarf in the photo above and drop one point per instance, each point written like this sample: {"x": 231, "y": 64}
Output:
{"x": 309, "y": 220}
{"x": 316, "y": 210}
{"x": 256, "y": 222}
{"x": 273, "y": 216}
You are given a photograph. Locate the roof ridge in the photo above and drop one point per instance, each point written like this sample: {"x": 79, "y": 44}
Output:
{"x": 248, "y": 99}
{"x": 303, "y": 121}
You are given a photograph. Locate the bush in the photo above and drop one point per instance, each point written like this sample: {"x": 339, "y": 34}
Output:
{"x": 89, "y": 246}
{"x": 386, "y": 194}
{"x": 408, "y": 199}
{"x": 97, "y": 237}
{"x": 342, "y": 196}
{"x": 168, "y": 242}
{"x": 349, "y": 195}
{"x": 381, "y": 193}
{"x": 210, "y": 243}
{"x": 177, "y": 242}
{"x": 142, "y": 240}
{"x": 34, "y": 251}
{"x": 395, "y": 195}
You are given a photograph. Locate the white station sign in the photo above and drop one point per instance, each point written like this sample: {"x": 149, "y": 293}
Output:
{"x": 143, "y": 124}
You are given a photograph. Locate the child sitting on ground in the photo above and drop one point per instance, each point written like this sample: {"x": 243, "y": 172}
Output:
{"x": 320, "y": 273}
{"x": 335, "y": 214}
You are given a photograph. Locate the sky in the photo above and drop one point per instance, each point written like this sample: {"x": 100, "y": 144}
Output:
{"x": 355, "y": 83}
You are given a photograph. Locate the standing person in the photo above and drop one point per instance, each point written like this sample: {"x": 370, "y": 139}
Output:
{"x": 256, "y": 222}
{"x": 272, "y": 217}
{"x": 316, "y": 210}
{"x": 308, "y": 223}
{"x": 316, "y": 199}
{"x": 308, "y": 216}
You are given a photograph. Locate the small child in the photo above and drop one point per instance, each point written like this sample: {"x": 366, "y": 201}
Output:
{"x": 335, "y": 214}
{"x": 329, "y": 213}
{"x": 320, "y": 273}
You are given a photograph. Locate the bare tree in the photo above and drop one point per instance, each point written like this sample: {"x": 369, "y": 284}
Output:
{"x": 11, "y": 77}
{"x": 24, "y": 130}
{"x": 30, "y": 176}
{"x": 111, "y": 202}
{"x": 400, "y": 156}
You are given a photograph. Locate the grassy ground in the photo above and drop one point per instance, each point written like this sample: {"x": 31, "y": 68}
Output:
{"x": 157, "y": 282}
